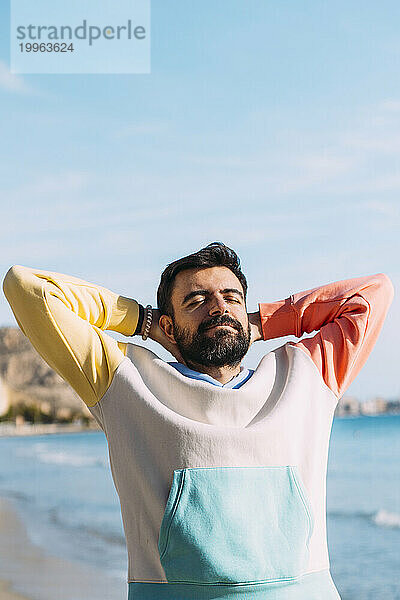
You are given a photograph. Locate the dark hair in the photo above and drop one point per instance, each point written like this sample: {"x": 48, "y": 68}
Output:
{"x": 213, "y": 255}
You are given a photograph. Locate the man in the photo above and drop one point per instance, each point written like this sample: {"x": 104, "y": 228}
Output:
{"x": 220, "y": 470}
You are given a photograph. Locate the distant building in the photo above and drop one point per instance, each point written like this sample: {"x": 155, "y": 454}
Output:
{"x": 347, "y": 405}
{"x": 393, "y": 406}
{"x": 374, "y": 406}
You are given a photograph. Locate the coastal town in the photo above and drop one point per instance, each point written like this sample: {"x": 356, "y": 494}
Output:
{"x": 37, "y": 420}
{"x": 35, "y": 400}
{"x": 351, "y": 406}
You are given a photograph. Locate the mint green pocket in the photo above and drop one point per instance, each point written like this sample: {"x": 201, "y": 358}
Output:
{"x": 235, "y": 525}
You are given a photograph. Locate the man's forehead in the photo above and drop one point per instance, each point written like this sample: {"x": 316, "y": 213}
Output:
{"x": 208, "y": 278}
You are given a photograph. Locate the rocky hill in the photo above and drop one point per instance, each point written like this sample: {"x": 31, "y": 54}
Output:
{"x": 26, "y": 380}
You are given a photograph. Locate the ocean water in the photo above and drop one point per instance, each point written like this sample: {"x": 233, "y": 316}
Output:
{"x": 363, "y": 507}
{"x": 62, "y": 487}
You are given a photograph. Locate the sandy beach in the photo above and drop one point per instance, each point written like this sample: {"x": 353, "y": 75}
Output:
{"x": 27, "y": 572}
{"x": 7, "y": 594}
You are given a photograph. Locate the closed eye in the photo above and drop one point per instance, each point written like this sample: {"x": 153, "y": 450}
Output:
{"x": 233, "y": 300}
{"x": 196, "y": 302}
{"x": 200, "y": 300}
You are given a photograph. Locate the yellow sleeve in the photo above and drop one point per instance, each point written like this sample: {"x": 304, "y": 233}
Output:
{"x": 64, "y": 318}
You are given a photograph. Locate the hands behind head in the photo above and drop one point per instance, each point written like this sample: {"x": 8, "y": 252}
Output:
{"x": 255, "y": 327}
{"x": 157, "y": 334}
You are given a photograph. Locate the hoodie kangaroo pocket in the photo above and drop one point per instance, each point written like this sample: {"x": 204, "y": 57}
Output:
{"x": 235, "y": 525}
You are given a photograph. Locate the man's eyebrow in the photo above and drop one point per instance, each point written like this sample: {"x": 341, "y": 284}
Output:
{"x": 206, "y": 293}
{"x": 232, "y": 291}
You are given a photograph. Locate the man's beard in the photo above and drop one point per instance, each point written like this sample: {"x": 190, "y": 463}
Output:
{"x": 223, "y": 348}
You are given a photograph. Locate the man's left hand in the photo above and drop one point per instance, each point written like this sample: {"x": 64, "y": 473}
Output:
{"x": 255, "y": 327}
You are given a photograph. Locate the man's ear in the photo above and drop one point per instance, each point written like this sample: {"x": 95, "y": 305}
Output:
{"x": 167, "y": 327}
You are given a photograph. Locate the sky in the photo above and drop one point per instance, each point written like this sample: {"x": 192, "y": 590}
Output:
{"x": 273, "y": 127}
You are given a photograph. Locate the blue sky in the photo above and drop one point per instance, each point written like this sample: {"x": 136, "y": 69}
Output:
{"x": 271, "y": 126}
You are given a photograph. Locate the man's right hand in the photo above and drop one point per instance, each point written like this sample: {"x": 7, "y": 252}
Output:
{"x": 157, "y": 334}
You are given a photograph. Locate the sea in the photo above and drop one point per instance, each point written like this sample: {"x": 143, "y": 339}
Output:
{"x": 62, "y": 488}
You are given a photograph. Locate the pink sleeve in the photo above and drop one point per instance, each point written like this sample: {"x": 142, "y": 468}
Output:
{"x": 347, "y": 315}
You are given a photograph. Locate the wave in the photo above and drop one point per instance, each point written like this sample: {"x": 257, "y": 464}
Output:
{"x": 381, "y": 517}
{"x": 387, "y": 519}
{"x": 73, "y": 460}
{"x": 104, "y": 534}
{"x": 45, "y": 455}
{"x": 16, "y": 495}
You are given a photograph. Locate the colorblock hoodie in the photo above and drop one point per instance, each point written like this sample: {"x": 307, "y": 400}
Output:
{"x": 222, "y": 490}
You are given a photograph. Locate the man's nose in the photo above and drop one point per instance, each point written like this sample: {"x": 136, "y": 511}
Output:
{"x": 218, "y": 306}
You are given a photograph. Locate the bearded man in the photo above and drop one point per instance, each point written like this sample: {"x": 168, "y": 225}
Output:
{"x": 220, "y": 470}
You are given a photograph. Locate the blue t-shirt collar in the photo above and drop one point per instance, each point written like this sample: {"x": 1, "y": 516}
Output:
{"x": 235, "y": 382}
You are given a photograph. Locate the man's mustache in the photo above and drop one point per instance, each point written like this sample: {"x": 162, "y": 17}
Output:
{"x": 219, "y": 320}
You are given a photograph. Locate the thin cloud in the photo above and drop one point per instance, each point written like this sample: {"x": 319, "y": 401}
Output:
{"x": 390, "y": 105}
{"x": 10, "y": 82}
{"x": 387, "y": 209}
{"x": 316, "y": 169}
{"x": 142, "y": 129}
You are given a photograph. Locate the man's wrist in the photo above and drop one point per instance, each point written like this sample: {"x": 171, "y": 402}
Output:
{"x": 140, "y": 323}
{"x": 148, "y": 321}
{"x": 256, "y": 327}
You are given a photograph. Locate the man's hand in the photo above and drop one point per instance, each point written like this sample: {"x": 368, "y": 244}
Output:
{"x": 157, "y": 334}
{"x": 255, "y": 327}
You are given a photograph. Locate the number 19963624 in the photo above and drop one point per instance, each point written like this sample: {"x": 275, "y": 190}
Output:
{"x": 46, "y": 47}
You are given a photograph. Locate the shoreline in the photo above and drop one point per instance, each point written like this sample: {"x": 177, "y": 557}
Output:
{"x": 12, "y": 430}
{"x": 7, "y": 592}
{"x": 30, "y": 572}
{"x": 8, "y": 429}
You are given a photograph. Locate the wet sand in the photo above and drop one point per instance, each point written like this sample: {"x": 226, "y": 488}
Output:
{"x": 27, "y": 572}
{"x": 7, "y": 594}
